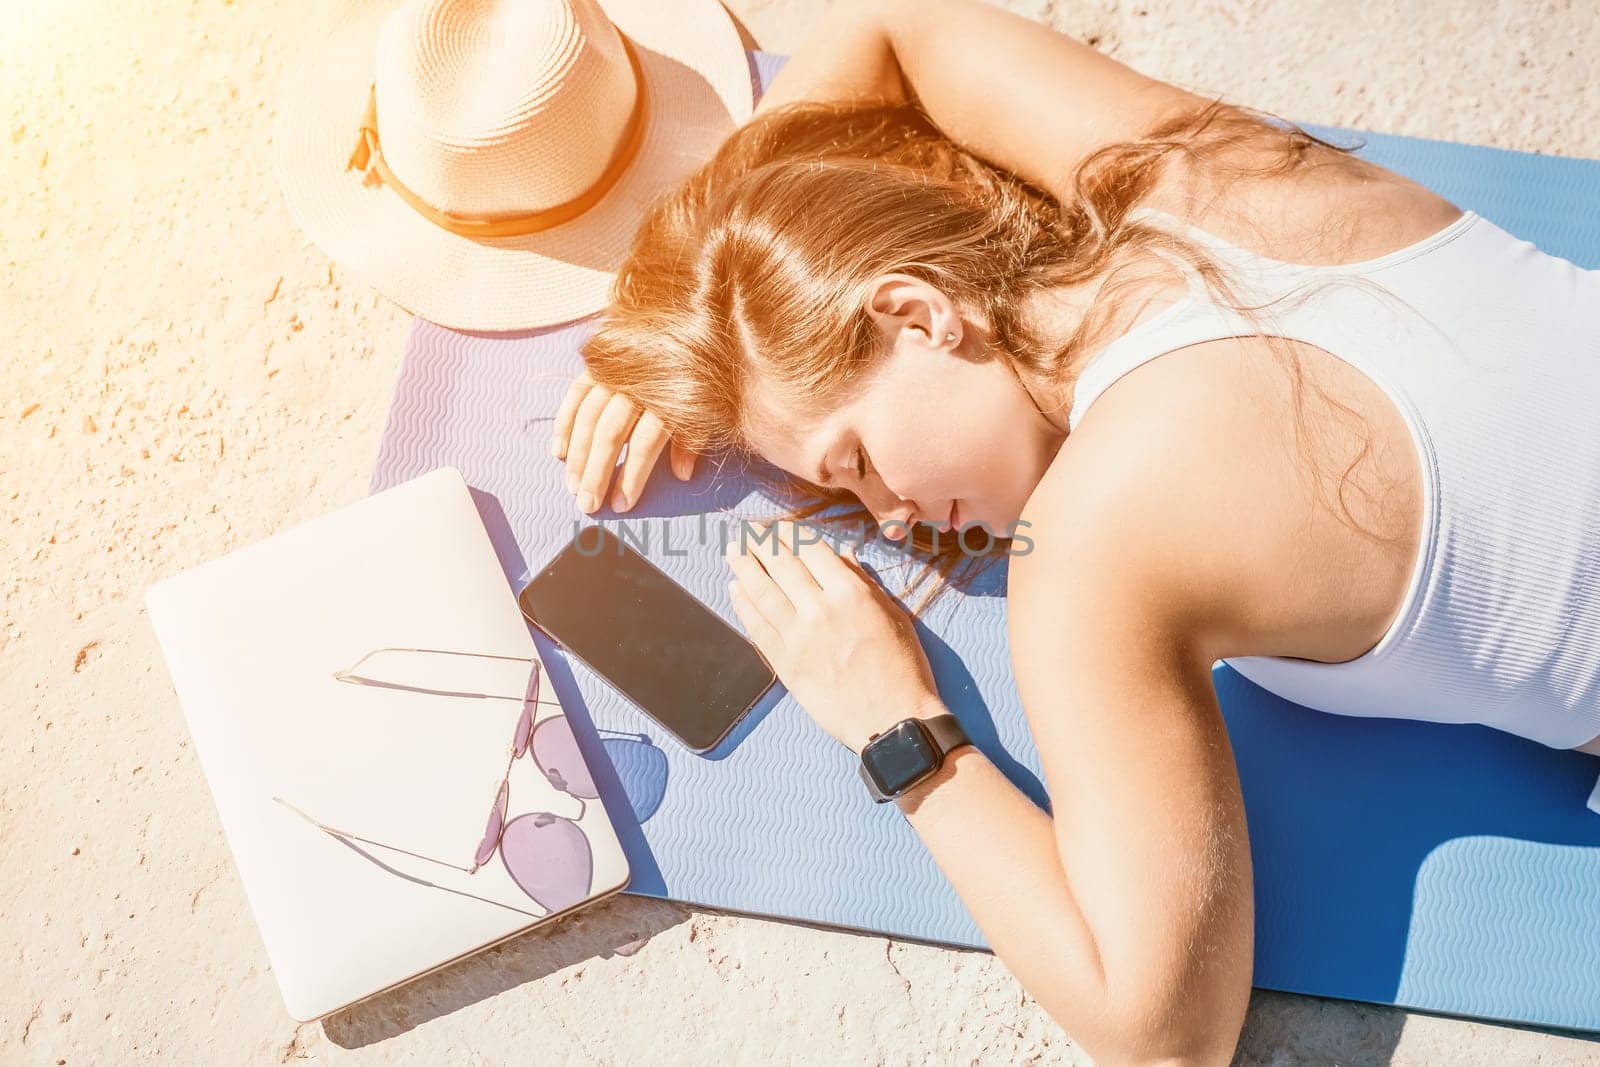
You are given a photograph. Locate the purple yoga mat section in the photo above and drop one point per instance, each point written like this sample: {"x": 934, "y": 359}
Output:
{"x": 1446, "y": 868}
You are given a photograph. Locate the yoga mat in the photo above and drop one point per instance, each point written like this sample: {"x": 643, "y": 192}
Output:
{"x": 1447, "y": 868}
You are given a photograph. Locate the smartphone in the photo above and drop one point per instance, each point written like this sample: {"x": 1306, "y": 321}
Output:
{"x": 649, "y": 637}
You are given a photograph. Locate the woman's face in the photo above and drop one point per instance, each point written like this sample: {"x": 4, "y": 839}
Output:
{"x": 933, "y": 430}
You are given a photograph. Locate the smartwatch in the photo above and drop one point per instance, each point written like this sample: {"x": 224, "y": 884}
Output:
{"x": 908, "y": 752}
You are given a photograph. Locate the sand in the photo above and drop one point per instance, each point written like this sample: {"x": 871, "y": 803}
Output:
{"x": 186, "y": 373}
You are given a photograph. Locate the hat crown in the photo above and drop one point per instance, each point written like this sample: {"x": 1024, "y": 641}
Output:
{"x": 501, "y": 107}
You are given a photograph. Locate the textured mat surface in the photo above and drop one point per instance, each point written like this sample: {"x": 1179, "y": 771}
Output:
{"x": 1445, "y": 868}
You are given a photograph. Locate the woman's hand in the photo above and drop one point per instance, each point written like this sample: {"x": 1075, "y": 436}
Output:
{"x": 590, "y": 429}
{"x": 844, "y": 647}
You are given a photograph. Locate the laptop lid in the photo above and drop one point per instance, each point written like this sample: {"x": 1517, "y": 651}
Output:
{"x": 356, "y": 687}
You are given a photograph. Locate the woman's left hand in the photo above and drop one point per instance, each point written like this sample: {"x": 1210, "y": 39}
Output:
{"x": 844, "y": 647}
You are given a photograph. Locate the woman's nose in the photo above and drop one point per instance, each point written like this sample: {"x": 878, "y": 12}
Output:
{"x": 892, "y": 514}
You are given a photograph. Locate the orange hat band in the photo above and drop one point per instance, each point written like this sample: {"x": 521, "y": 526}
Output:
{"x": 368, "y": 158}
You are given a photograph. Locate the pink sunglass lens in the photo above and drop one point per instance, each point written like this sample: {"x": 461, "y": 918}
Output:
{"x": 530, "y": 707}
{"x": 549, "y": 858}
{"x": 492, "y": 832}
{"x": 555, "y": 749}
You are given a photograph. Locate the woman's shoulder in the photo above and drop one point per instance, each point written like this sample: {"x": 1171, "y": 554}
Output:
{"x": 1346, "y": 210}
{"x": 1189, "y": 489}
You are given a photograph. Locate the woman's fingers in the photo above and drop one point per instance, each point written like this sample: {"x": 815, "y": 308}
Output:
{"x": 583, "y": 423}
{"x": 767, "y": 638}
{"x": 682, "y": 462}
{"x": 567, "y": 414}
{"x": 776, "y": 549}
{"x": 836, "y": 572}
{"x": 645, "y": 443}
{"x": 590, "y": 429}
{"x": 759, "y": 587}
{"x": 611, "y": 428}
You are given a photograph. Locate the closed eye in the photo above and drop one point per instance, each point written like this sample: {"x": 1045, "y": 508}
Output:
{"x": 861, "y": 463}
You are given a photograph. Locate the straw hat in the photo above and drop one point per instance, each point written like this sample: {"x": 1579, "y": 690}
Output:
{"x": 485, "y": 163}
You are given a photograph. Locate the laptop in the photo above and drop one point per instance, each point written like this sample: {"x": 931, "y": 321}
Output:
{"x": 396, "y": 779}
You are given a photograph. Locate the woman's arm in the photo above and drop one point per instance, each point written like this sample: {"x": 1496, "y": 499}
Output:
{"x": 1128, "y": 912}
{"x": 1129, "y": 915}
{"x": 847, "y": 56}
{"x": 1012, "y": 90}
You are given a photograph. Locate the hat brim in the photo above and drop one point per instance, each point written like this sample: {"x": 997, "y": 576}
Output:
{"x": 699, "y": 81}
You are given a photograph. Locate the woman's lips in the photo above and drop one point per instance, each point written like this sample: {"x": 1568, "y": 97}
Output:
{"x": 952, "y": 522}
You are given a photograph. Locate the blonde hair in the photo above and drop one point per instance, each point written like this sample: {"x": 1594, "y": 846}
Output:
{"x": 759, "y": 263}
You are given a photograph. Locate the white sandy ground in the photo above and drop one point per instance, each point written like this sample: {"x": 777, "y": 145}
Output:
{"x": 185, "y": 373}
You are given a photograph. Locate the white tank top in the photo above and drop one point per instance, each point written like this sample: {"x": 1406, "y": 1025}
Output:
{"x": 1496, "y": 369}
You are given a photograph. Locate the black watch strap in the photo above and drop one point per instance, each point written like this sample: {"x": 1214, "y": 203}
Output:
{"x": 946, "y": 732}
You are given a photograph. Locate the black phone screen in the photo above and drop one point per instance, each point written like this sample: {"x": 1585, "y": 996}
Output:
{"x": 648, "y": 636}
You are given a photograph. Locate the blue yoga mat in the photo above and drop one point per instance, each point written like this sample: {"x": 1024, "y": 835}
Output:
{"x": 1445, "y": 868}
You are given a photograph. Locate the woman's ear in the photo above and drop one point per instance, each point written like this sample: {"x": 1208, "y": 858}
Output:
{"x": 900, "y": 303}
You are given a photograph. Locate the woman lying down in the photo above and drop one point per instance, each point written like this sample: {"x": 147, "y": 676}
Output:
{"x": 931, "y": 276}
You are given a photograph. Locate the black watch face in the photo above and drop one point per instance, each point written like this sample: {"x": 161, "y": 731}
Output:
{"x": 899, "y": 757}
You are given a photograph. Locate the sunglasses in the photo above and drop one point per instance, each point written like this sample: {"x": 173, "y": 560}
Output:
{"x": 547, "y": 855}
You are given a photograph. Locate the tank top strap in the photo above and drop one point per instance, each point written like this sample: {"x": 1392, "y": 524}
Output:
{"x": 1194, "y": 318}
{"x": 1189, "y": 320}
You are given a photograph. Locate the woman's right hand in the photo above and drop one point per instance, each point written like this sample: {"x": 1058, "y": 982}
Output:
{"x": 591, "y": 427}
